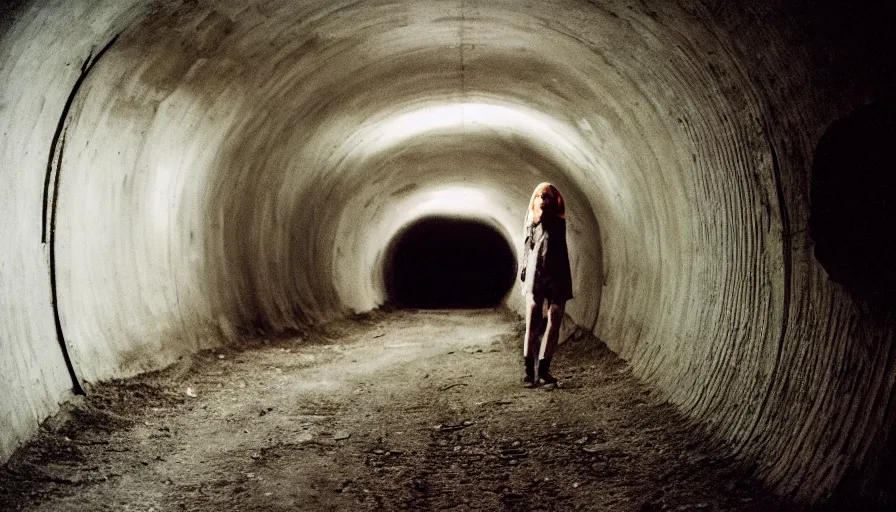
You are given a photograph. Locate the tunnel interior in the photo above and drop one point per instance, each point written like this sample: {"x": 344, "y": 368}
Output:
{"x": 180, "y": 171}
{"x": 444, "y": 263}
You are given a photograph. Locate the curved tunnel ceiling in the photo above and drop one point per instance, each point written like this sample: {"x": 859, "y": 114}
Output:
{"x": 226, "y": 167}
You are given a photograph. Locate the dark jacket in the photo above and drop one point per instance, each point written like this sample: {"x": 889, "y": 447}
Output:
{"x": 546, "y": 270}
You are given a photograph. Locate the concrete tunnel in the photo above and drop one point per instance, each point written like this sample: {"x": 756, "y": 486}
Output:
{"x": 177, "y": 173}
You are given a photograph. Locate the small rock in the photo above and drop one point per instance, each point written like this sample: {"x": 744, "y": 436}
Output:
{"x": 220, "y": 356}
{"x": 340, "y": 435}
{"x": 575, "y": 485}
{"x": 190, "y": 392}
{"x": 582, "y": 440}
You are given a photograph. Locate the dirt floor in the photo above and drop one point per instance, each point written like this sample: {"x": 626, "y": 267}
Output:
{"x": 408, "y": 410}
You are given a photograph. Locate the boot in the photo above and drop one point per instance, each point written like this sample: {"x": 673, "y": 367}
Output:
{"x": 529, "y": 379}
{"x": 544, "y": 371}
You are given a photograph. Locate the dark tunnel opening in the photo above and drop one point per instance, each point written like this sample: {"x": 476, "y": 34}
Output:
{"x": 852, "y": 207}
{"x": 442, "y": 263}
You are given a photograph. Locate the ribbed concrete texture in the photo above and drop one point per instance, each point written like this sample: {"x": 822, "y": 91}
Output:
{"x": 177, "y": 172}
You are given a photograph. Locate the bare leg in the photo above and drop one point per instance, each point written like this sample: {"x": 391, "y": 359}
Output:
{"x": 535, "y": 327}
{"x": 554, "y": 319}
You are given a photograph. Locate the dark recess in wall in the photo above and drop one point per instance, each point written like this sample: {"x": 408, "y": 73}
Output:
{"x": 853, "y": 211}
{"x": 440, "y": 262}
{"x": 9, "y": 11}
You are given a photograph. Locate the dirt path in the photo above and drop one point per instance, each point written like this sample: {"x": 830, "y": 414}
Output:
{"x": 396, "y": 411}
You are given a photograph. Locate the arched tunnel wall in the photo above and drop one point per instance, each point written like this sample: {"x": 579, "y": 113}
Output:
{"x": 224, "y": 167}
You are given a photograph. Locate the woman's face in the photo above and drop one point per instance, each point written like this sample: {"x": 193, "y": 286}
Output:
{"x": 545, "y": 202}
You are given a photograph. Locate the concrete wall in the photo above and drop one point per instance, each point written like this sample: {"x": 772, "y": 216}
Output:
{"x": 229, "y": 167}
{"x": 40, "y": 65}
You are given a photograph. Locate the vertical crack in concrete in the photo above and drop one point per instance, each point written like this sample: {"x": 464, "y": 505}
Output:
{"x": 54, "y": 300}
{"x": 50, "y": 202}
{"x": 52, "y": 171}
{"x": 786, "y": 252}
{"x": 786, "y": 259}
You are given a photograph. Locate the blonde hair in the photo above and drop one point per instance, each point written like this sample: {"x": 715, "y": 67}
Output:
{"x": 552, "y": 190}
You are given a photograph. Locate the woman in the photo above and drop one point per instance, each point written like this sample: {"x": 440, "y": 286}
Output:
{"x": 547, "y": 281}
